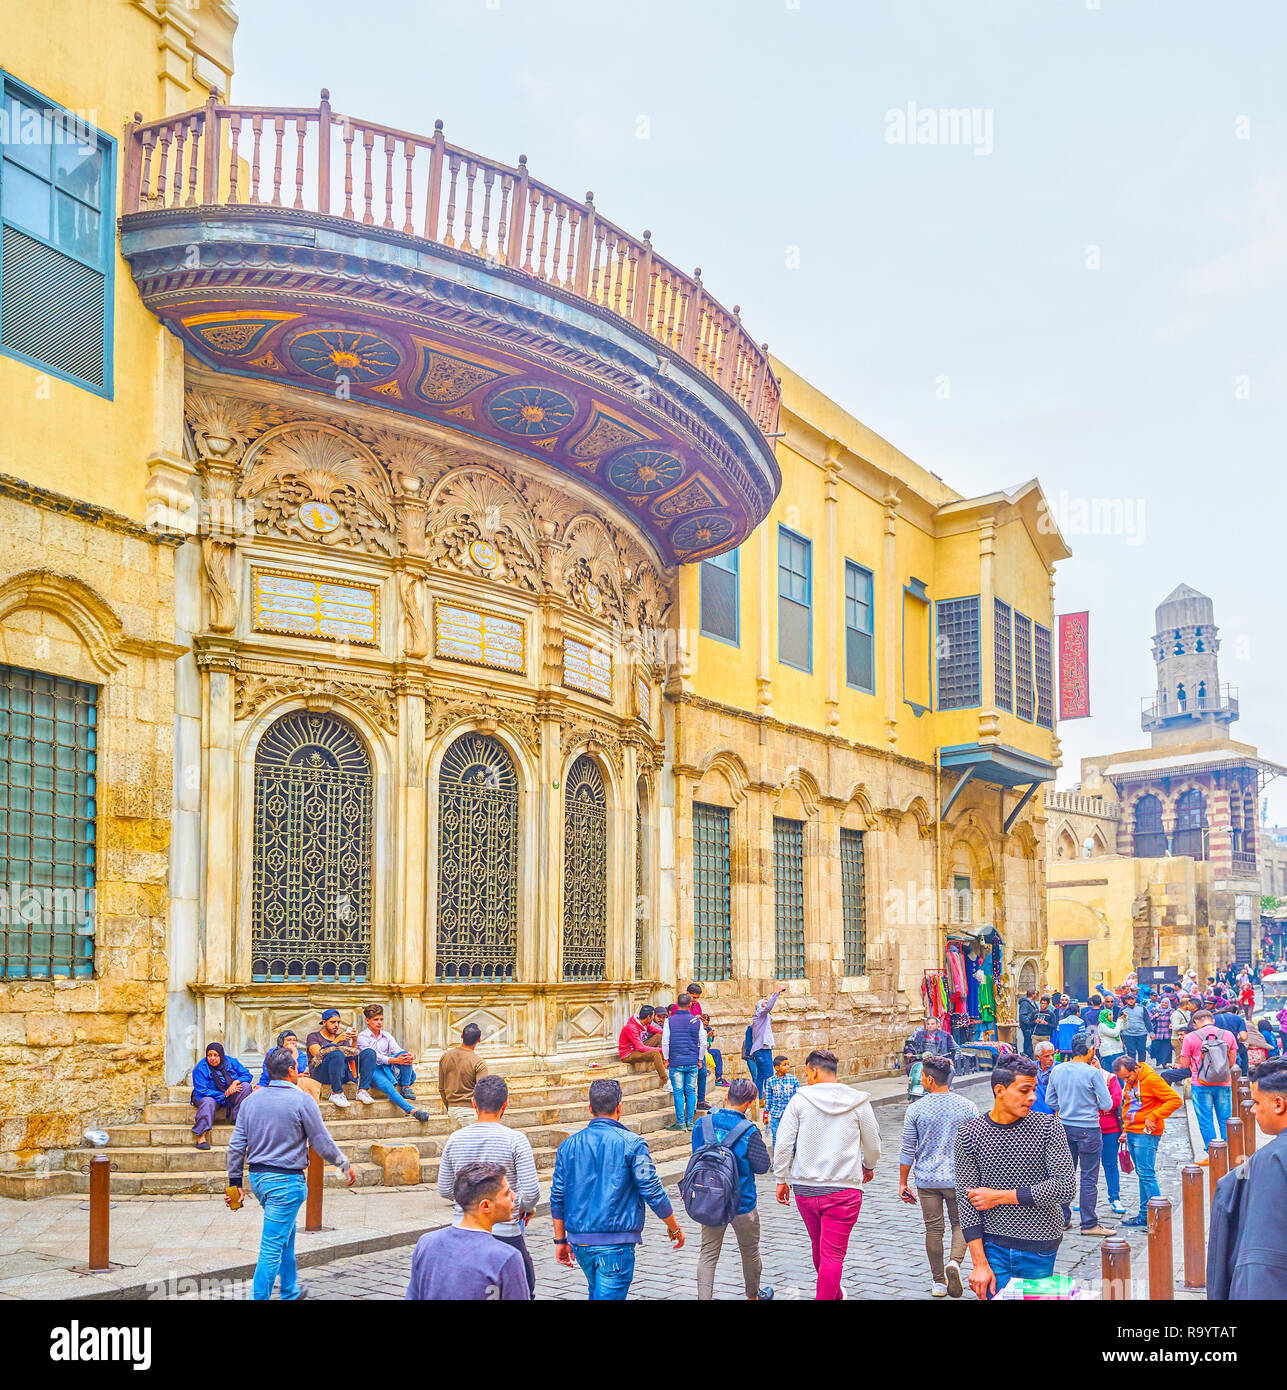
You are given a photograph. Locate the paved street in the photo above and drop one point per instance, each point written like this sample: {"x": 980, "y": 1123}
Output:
{"x": 886, "y": 1254}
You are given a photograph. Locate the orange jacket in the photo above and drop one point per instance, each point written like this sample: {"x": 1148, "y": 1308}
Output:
{"x": 1148, "y": 1097}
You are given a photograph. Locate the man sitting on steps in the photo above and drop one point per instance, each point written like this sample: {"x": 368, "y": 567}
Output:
{"x": 631, "y": 1046}
{"x": 458, "y": 1072}
{"x": 392, "y": 1072}
{"x": 329, "y": 1050}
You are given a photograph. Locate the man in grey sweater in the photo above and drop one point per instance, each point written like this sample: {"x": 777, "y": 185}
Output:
{"x": 1077, "y": 1092}
{"x": 274, "y": 1129}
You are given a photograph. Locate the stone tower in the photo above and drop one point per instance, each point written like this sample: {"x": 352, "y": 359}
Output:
{"x": 1190, "y": 705}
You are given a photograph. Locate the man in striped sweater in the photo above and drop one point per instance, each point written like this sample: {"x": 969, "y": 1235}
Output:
{"x": 489, "y": 1141}
{"x": 1014, "y": 1170}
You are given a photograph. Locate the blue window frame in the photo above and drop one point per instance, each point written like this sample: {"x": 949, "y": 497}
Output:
{"x": 860, "y": 640}
{"x": 720, "y": 617}
{"x": 57, "y": 238}
{"x": 795, "y": 600}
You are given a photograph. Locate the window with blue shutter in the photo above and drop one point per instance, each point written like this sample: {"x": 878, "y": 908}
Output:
{"x": 860, "y": 642}
{"x": 795, "y": 600}
{"x": 57, "y": 226}
{"x": 719, "y": 597}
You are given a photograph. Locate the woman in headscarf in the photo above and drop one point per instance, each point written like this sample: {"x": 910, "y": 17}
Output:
{"x": 217, "y": 1080}
{"x": 289, "y": 1039}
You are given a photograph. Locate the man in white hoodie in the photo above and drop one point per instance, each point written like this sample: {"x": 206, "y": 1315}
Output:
{"x": 826, "y": 1148}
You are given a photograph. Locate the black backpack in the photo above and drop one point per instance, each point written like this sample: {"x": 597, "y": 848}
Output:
{"x": 711, "y": 1188}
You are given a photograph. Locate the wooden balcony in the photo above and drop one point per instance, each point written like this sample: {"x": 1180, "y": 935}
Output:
{"x": 418, "y": 203}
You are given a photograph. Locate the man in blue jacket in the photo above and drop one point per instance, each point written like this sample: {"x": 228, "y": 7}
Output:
{"x": 603, "y": 1175}
{"x": 752, "y": 1157}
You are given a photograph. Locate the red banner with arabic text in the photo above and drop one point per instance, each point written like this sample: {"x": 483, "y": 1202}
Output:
{"x": 1074, "y": 665}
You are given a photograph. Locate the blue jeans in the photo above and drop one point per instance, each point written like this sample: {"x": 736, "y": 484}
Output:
{"x": 1143, "y": 1151}
{"x": 333, "y": 1069}
{"x": 761, "y": 1064}
{"x": 1112, "y": 1173}
{"x": 683, "y": 1083}
{"x": 1087, "y": 1145}
{"x": 281, "y": 1195}
{"x": 389, "y": 1077}
{"x": 1010, "y": 1264}
{"x": 608, "y": 1269}
{"x": 1213, "y": 1105}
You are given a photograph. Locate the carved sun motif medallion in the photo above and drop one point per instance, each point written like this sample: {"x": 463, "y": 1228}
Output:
{"x": 484, "y": 555}
{"x": 357, "y": 353}
{"x": 645, "y": 471}
{"x": 535, "y": 411}
{"x": 701, "y": 532}
{"x": 320, "y": 517}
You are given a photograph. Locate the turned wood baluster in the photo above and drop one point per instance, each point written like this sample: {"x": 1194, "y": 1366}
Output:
{"x": 560, "y": 213}
{"x": 574, "y": 230}
{"x": 619, "y": 274}
{"x": 176, "y": 169}
{"x": 194, "y": 151}
{"x": 390, "y": 145}
{"x": 672, "y": 305}
{"x": 502, "y": 218}
{"x": 691, "y": 294}
{"x": 301, "y": 134}
{"x": 533, "y": 202}
{"x": 145, "y": 179}
{"x": 453, "y": 164}
{"x": 599, "y": 233}
{"x": 234, "y": 136}
{"x": 257, "y": 128}
{"x": 368, "y": 186}
{"x": 633, "y": 252}
{"x": 489, "y": 177}
{"x": 547, "y": 206}
{"x": 279, "y": 127}
{"x": 471, "y": 173}
{"x": 163, "y": 141}
{"x": 347, "y": 136}
{"x": 728, "y": 349}
{"x": 408, "y": 195}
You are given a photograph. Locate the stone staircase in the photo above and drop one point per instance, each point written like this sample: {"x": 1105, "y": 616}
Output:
{"x": 156, "y": 1156}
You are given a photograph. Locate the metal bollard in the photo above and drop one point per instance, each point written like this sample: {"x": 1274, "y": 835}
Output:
{"x": 1115, "y": 1255}
{"x": 1233, "y": 1136}
{"x": 1161, "y": 1258}
{"x": 100, "y": 1219}
{"x": 313, "y": 1206}
{"x": 1218, "y": 1162}
{"x": 1249, "y": 1126}
{"x": 1195, "y": 1241}
{"x": 1235, "y": 1077}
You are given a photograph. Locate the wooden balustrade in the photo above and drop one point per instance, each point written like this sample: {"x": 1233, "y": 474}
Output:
{"x": 286, "y": 157}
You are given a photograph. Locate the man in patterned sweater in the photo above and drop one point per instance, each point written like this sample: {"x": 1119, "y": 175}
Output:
{"x": 1014, "y": 1170}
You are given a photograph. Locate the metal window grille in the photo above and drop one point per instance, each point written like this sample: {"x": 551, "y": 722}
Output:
{"x": 585, "y": 872}
{"x": 960, "y": 672}
{"x": 1023, "y": 667}
{"x": 1190, "y": 823}
{"x": 477, "y": 862}
{"x": 1004, "y": 674}
{"x": 860, "y": 644}
{"x": 1149, "y": 833}
{"x": 712, "y": 898}
{"x": 853, "y": 900}
{"x": 719, "y": 597}
{"x": 311, "y": 903}
{"x": 48, "y": 811}
{"x": 1043, "y": 670}
{"x": 788, "y": 899}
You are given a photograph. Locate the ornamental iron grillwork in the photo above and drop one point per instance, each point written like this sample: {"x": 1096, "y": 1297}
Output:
{"x": 853, "y": 900}
{"x": 585, "y": 872}
{"x": 712, "y": 934}
{"x": 788, "y": 899}
{"x": 477, "y": 862}
{"x": 311, "y": 914}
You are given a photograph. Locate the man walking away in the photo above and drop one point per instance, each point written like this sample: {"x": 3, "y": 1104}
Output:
{"x": 683, "y": 1045}
{"x": 752, "y": 1157}
{"x": 489, "y": 1141}
{"x": 1027, "y": 1014}
{"x": 1210, "y": 1053}
{"x": 929, "y": 1154}
{"x": 274, "y": 1128}
{"x": 458, "y": 1072}
{"x": 1237, "y": 1025}
{"x": 759, "y": 1046}
{"x": 1014, "y": 1169}
{"x": 1077, "y": 1092}
{"x": 1247, "y": 1258}
{"x": 1146, "y": 1102}
{"x": 1065, "y": 1031}
{"x": 603, "y": 1175}
{"x": 632, "y": 1047}
{"x": 827, "y": 1146}
{"x": 465, "y": 1261}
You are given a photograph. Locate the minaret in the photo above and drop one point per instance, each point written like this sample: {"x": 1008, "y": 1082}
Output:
{"x": 1190, "y": 705}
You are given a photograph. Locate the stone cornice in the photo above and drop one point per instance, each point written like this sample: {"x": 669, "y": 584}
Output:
{"x": 90, "y": 512}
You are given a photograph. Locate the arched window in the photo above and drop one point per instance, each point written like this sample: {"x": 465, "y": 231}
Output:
{"x": 1190, "y": 822}
{"x": 1202, "y": 690}
{"x": 311, "y": 913}
{"x": 1201, "y": 646}
{"x": 477, "y": 861}
{"x": 585, "y": 872}
{"x": 1150, "y": 838}
{"x": 1179, "y": 644}
{"x": 1066, "y": 845}
{"x": 1027, "y": 978}
{"x": 1179, "y": 694}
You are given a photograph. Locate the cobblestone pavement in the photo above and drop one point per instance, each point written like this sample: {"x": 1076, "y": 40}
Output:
{"x": 886, "y": 1251}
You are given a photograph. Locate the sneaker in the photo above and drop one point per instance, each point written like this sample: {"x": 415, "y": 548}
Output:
{"x": 1136, "y": 1221}
{"x": 421, "y": 1115}
{"x": 1202, "y": 1162}
{"x": 366, "y": 1097}
{"x": 1118, "y": 1209}
{"x": 340, "y": 1099}
{"x": 677, "y": 1125}
{"x": 955, "y": 1284}
{"x": 844, "y": 1292}
{"x": 765, "y": 1295}
{"x": 938, "y": 1290}
{"x": 722, "y": 1082}
{"x": 203, "y": 1143}
{"x": 408, "y": 1093}
{"x": 303, "y": 1293}
{"x": 1067, "y": 1225}
{"x": 1098, "y": 1230}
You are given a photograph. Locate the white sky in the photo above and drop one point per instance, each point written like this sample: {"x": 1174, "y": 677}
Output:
{"x": 945, "y": 297}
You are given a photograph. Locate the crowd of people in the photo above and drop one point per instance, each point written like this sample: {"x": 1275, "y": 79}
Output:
{"x": 1002, "y": 1185}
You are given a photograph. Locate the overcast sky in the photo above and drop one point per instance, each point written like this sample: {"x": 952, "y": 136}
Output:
{"x": 1085, "y": 284}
